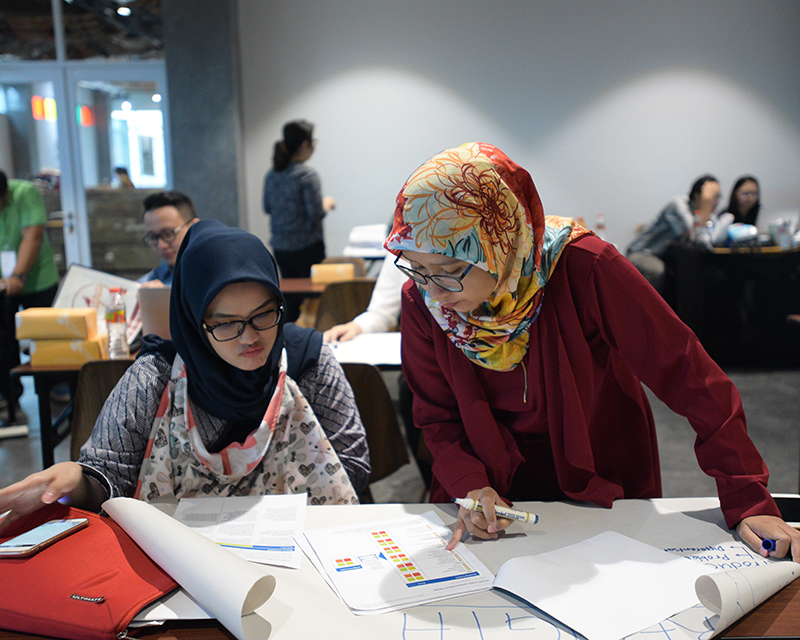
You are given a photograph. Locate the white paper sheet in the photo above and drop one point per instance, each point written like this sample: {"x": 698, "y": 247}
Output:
{"x": 606, "y": 587}
{"x": 393, "y": 564}
{"x": 370, "y": 348}
{"x": 227, "y": 587}
{"x": 257, "y": 528}
{"x": 85, "y": 287}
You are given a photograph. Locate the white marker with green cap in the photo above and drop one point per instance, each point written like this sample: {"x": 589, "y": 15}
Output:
{"x": 503, "y": 512}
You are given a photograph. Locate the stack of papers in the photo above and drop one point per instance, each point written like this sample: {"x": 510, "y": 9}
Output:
{"x": 394, "y": 564}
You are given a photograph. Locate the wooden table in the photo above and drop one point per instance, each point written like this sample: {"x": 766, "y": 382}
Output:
{"x": 738, "y": 303}
{"x": 44, "y": 379}
{"x": 301, "y": 287}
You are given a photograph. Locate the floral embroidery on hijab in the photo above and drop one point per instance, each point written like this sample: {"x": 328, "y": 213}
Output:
{"x": 474, "y": 204}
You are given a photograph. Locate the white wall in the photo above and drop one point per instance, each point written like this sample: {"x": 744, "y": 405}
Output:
{"x": 613, "y": 106}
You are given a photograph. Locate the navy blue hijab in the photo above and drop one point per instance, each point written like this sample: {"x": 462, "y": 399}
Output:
{"x": 212, "y": 256}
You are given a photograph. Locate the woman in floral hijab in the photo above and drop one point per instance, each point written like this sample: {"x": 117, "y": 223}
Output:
{"x": 526, "y": 340}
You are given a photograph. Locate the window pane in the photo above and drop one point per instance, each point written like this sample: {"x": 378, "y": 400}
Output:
{"x": 113, "y": 29}
{"x": 26, "y": 30}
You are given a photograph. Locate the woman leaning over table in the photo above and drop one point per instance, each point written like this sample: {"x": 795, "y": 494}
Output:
{"x": 525, "y": 343}
{"x": 194, "y": 415}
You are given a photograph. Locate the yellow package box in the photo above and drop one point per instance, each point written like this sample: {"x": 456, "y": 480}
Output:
{"x": 332, "y": 272}
{"x": 56, "y": 324}
{"x": 50, "y": 353}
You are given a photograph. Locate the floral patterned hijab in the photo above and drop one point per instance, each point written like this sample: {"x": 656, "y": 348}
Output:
{"x": 474, "y": 204}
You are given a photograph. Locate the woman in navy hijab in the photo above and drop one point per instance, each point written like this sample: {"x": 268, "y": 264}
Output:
{"x": 237, "y": 403}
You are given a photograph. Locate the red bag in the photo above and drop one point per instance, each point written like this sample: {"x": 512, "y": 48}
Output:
{"x": 87, "y": 586}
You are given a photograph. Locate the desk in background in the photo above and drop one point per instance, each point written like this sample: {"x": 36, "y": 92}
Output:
{"x": 302, "y": 287}
{"x": 44, "y": 379}
{"x": 738, "y": 303}
{"x": 303, "y": 606}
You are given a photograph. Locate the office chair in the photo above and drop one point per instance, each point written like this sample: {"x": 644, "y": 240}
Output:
{"x": 343, "y": 301}
{"x": 387, "y": 447}
{"x": 96, "y": 379}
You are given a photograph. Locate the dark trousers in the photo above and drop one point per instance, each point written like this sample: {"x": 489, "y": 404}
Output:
{"x": 413, "y": 435}
{"x": 297, "y": 264}
{"x": 11, "y": 388}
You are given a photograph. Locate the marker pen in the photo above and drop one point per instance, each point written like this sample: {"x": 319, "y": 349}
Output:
{"x": 769, "y": 544}
{"x": 503, "y": 512}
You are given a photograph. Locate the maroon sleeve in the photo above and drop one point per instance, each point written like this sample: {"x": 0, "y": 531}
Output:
{"x": 667, "y": 356}
{"x": 436, "y": 409}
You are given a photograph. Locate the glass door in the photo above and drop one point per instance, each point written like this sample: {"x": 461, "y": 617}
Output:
{"x": 121, "y": 153}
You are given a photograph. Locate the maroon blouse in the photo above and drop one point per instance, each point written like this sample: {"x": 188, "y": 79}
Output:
{"x": 574, "y": 420}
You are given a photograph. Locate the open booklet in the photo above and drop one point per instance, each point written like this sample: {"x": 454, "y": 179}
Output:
{"x": 394, "y": 564}
{"x": 611, "y": 586}
{"x": 227, "y": 587}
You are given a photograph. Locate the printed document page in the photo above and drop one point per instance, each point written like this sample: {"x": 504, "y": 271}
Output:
{"x": 257, "y": 528}
{"x": 393, "y": 564}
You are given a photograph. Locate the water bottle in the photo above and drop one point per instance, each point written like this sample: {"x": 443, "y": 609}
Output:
{"x": 600, "y": 226}
{"x": 115, "y": 322}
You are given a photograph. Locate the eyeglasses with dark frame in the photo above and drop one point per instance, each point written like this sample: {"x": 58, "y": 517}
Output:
{"x": 232, "y": 330}
{"x": 453, "y": 284}
{"x": 167, "y": 235}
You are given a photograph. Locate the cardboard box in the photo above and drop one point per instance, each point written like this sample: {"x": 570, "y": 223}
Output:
{"x": 52, "y": 323}
{"x": 332, "y": 272}
{"x": 50, "y": 353}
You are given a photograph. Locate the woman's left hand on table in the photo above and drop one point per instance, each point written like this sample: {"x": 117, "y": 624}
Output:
{"x": 755, "y": 529}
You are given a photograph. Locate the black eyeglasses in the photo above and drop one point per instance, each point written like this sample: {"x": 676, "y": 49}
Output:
{"x": 448, "y": 283}
{"x": 167, "y": 235}
{"x": 232, "y": 330}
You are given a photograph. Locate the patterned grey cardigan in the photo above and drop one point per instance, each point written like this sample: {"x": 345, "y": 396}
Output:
{"x": 114, "y": 453}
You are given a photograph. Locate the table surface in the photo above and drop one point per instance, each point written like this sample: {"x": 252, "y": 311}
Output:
{"x": 305, "y": 287}
{"x": 302, "y": 286}
{"x": 302, "y": 600}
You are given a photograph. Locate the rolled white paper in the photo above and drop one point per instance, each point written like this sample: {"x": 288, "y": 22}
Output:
{"x": 226, "y": 586}
{"x": 731, "y": 594}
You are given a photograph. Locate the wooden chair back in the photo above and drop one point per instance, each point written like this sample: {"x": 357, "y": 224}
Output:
{"x": 387, "y": 447}
{"x": 343, "y": 301}
{"x": 96, "y": 379}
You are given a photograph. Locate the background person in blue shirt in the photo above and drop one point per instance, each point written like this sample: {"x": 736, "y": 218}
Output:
{"x": 167, "y": 217}
{"x": 293, "y": 200}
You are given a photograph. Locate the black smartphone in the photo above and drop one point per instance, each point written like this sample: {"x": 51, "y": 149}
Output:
{"x": 789, "y": 505}
{"x": 33, "y": 541}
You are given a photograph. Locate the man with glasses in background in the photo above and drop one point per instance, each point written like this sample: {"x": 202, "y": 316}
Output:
{"x": 167, "y": 217}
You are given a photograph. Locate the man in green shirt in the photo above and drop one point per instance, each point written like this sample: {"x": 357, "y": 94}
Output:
{"x": 30, "y": 277}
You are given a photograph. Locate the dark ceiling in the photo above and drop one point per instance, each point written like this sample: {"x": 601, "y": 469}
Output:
{"x": 92, "y": 29}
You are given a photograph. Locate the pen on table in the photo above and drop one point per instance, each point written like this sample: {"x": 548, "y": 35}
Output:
{"x": 769, "y": 544}
{"x": 503, "y": 512}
